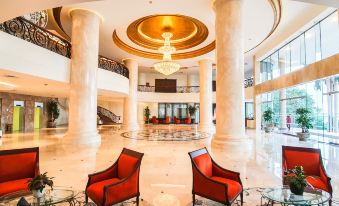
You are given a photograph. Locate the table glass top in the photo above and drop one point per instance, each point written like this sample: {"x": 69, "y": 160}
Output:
{"x": 285, "y": 196}
{"x": 51, "y": 197}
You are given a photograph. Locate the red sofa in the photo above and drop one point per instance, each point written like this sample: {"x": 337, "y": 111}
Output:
{"x": 17, "y": 167}
{"x": 167, "y": 120}
{"x": 155, "y": 120}
{"x": 212, "y": 181}
{"x": 188, "y": 120}
{"x": 176, "y": 120}
{"x": 118, "y": 183}
{"x": 311, "y": 161}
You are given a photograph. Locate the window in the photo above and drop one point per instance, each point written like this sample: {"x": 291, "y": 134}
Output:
{"x": 330, "y": 35}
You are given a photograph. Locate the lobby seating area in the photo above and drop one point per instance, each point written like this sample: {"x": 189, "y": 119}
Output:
{"x": 120, "y": 182}
{"x": 169, "y": 120}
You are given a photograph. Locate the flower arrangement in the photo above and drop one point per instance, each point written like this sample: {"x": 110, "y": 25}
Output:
{"x": 38, "y": 184}
{"x": 296, "y": 180}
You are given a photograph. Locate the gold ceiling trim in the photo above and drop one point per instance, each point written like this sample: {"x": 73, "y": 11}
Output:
{"x": 277, "y": 10}
{"x": 187, "y": 32}
{"x": 153, "y": 55}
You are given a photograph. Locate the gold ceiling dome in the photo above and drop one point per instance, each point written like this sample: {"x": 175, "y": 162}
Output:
{"x": 187, "y": 31}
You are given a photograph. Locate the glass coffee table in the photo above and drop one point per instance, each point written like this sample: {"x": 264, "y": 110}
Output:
{"x": 283, "y": 196}
{"x": 51, "y": 197}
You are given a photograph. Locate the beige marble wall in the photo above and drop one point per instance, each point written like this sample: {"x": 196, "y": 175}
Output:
{"x": 7, "y": 103}
{"x": 321, "y": 69}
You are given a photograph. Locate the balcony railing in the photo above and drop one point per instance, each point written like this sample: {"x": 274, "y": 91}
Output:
{"x": 28, "y": 31}
{"x": 188, "y": 89}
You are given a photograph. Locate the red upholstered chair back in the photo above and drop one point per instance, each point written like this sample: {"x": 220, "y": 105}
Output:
{"x": 309, "y": 158}
{"x": 202, "y": 161}
{"x": 154, "y": 119}
{"x": 168, "y": 119}
{"x": 19, "y": 164}
{"x": 128, "y": 162}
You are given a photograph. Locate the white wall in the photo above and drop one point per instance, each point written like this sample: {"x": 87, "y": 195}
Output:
{"x": 20, "y": 56}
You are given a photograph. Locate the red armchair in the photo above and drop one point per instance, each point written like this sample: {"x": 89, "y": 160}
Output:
{"x": 188, "y": 120}
{"x": 155, "y": 120}
{"x": 312, "y": 163}
{"x": 118, "y": 183}
{"x": 176, "y": 120}
{"x": 167, "y": 120}
{"x": 17, "y": 167}
{"x": 212, "y": 181}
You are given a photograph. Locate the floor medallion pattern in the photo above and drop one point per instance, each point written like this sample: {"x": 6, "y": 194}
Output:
{"x": 165, "y": 135}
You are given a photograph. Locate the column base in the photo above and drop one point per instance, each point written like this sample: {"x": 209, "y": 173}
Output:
{"x": 127, "y": 127}
{"x": 206, "y": 128}
{"x": 229, "y": 139}
{"x": 82, "y": 138}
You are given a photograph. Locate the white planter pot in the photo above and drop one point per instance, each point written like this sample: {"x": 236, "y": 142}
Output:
{"x": 303, "y": 136}
{"x": 38, "y": 194}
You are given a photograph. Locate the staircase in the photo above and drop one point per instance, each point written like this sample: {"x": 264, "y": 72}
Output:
{"x": 106, "y": 116}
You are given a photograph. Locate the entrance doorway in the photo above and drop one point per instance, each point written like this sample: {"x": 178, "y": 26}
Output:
{"x": 38, "y": 113}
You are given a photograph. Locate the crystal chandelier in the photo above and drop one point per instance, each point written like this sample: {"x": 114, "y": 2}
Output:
{"x": 167, "y": 66}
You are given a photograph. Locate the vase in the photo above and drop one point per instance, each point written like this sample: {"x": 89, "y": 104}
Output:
{"x": 38, "y": 193}
{"x": 297, "y": 189}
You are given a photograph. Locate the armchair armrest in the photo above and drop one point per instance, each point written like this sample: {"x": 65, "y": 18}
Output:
{"x": 103, "y": 175}
{"x": 228, "y": 174}
{"x": 208, "y": 187}
{"x": 325, "y": 178}
{"x": 124, "y": 189}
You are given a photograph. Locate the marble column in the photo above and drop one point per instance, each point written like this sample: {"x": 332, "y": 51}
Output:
{"x": 230, "y": 118}
{"x": 282, "y": 97}
{"x": 130, "y": 121}
{"x": 142, "y": 79}
{"x": 82, "y": 128}
{"x": 206, "y": 116}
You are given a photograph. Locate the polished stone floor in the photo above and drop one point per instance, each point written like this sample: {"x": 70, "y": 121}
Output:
{"x": 166, "y": 177}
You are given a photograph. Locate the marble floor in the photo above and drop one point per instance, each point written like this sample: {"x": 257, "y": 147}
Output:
{"x": 166, "y": 176}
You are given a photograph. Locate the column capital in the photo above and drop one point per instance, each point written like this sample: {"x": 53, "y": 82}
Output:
{"x": 85, "y": 12}
{"x": 205, "y": 61}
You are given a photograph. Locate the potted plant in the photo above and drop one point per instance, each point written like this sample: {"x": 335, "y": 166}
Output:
{"x": 53, "y": 113}
{"x": 191, "y": 110}
{"x": 296, "y": 180}
{"x": 147, "y": 114}
{"x": 37, "y": 184}
{"x": 268, "y": 117}
{"x": 304, "y": 120}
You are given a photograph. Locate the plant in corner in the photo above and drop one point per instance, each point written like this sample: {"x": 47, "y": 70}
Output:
{"x": 268, "y": 117}
{"x": 53, "y": 113}
{"x": 192, "y": 110}
{"x": 296, "y": 180}
{"x": 37, "y": 184}
{"x": 147, "y": 114}
{"x": 304, "y": 120}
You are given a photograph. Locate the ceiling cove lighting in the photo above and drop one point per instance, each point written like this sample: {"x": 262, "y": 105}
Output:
{"x": 167, "y": 66}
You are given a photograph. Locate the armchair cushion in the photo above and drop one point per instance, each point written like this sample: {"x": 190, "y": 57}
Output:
{"x": 234, "y": 188}
{"x": 126, "y": 164}
{"x": 317, "y": 183}
{"x": 96, "y": 190}
{"x": 204, "y": 163}
{"x": 14, "y": 186}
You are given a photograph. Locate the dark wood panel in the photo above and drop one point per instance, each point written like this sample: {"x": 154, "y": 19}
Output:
{"x": 166, "y": 85}
{"x": 214, "y": 86}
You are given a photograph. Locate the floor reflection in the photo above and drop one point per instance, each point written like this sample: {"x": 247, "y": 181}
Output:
{"x": 166, "y": 168}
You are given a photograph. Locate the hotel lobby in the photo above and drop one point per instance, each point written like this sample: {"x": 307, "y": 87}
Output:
{"x": 169, "y": 103}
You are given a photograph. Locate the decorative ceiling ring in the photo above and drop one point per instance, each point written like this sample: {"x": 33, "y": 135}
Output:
{"x": 155, "y": 55}
{"x": 187, "y": 32}
{"x": 277, "y": 10}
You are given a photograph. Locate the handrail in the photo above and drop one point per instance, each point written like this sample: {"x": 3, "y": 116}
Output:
{"x": 28, "y": 31}
{"x": 108, "y": 114}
